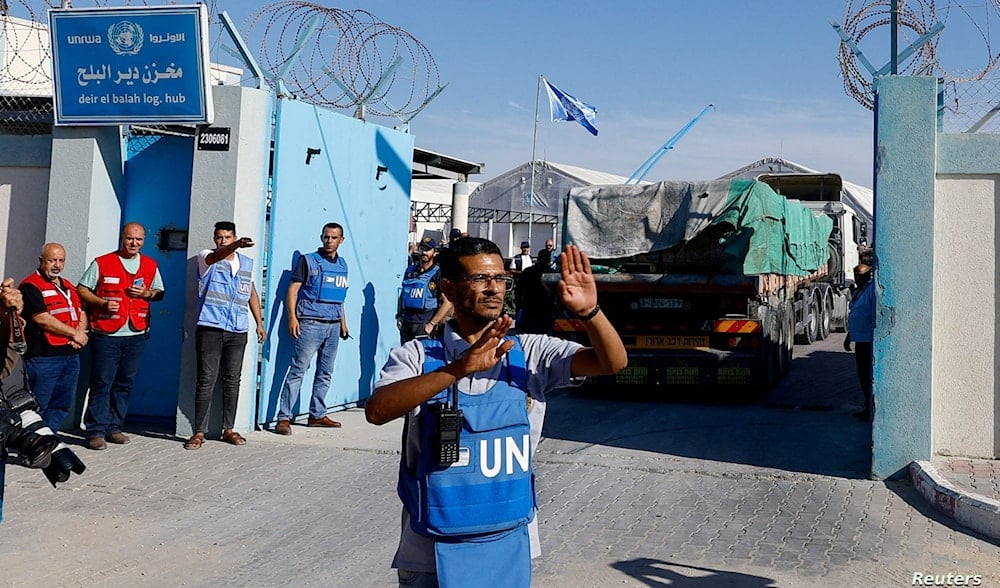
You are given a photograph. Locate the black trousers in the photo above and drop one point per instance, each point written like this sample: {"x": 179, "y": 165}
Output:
{"x": 863, "y": 361}
{"x": 217, "y": 349}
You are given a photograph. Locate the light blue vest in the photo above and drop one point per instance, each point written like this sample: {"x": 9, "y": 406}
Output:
{"x": 224, "y": 298}
{"x": 417, "y": 291}
{"x": 491, "y": 488}
{"x": 861, "y": 319}
{"x": 325, "y": 289}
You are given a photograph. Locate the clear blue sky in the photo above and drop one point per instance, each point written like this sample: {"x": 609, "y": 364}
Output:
{"x": 649, "y": 66}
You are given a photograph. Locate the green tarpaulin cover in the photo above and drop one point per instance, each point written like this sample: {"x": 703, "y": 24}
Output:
{"x": 769, "y": 234}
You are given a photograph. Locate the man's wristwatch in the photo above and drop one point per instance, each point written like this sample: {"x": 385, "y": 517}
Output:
{"x": 591, "y": 314}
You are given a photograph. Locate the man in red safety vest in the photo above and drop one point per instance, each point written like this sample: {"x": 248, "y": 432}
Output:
{"x": 55, "y": 333}
{"x": 117, "y": 289}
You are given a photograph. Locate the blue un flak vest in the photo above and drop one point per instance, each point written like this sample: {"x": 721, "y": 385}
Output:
{"x": 325, "y": 288}
{"x": 417, "y": 291}
{"x": 491, "y": 488}
{"x": 224, "y": 297}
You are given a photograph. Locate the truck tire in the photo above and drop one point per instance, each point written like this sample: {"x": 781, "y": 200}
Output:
{"x": 825, "y": 309}
{"x": 788, "y": 341}
{"x": 769, "y": 372}
{"x": 810, "y": 321}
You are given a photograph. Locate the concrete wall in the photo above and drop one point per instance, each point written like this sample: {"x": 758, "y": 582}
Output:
{"x": 86, "y": 193}
{"x": 24, "y": 187}
{"x": 936, "y": 334}
{"x": 904, "y": 241}
{"x": 966, "y": 418}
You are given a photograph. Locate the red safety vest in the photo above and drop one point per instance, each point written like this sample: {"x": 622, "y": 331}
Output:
{"x": 64, "y": 305}
{"x": 112, "y": 281}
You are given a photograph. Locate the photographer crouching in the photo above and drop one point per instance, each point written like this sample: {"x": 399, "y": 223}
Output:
{"x": 24, "y": 437}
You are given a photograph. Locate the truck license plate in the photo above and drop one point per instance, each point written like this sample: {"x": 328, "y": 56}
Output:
{"x": 734, "y": 376}
{"x": 661, "y": 303}
{"x": 670, "y": 342}
{"x": 636, "y": 375}
{"x": 680, "y": 376}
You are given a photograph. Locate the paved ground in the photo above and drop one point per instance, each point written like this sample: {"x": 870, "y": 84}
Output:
{"x": 632, "y": 494}
{"x": 979, "y": 476}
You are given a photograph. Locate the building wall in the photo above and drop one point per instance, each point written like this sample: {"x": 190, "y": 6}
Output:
{"x": 936, "y": 334}
{"x": 966, "y": 417}
{"x": 906, "y": 122}
{"x": 24, "y": 186}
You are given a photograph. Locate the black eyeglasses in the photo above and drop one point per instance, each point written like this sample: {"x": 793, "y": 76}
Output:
{"x": 479, "y": 281}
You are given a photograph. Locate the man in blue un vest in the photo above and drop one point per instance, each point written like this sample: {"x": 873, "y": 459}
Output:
{"x": 422, "y": 306}
{"x": 227, "y": 300}
{"x": 465, "y": 477}
{"x": 315, "y": 309}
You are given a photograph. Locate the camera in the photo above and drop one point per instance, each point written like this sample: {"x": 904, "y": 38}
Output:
{"x": 27, "y": 441}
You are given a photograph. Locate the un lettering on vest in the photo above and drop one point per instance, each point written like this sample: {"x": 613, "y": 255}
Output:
{"x": 416, "y": 292}
{"x": 338, "y": 281}
{"x": 506, "y": 453}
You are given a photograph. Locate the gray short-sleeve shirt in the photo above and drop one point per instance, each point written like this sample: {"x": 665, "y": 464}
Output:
{"x": 548, "y": 362}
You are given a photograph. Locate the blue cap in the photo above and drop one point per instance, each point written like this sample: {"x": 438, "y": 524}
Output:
{"x": 525, "y": 244}
{"x": 455, "y": 234}
{"x": 428, "y": 243}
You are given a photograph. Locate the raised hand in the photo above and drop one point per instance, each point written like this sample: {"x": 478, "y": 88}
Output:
{"x": 577, "y": 289}
{"x": 10, "y": 296}
{"x": 489, "y": 349}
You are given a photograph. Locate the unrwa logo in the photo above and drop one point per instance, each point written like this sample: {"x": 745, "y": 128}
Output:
{"x": 125, "y": 37}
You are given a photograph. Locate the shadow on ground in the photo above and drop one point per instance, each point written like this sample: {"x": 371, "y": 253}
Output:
{"x": 805, "y": 425}
{"x": 654, "y": 572}
{"x": 905, "y": 490}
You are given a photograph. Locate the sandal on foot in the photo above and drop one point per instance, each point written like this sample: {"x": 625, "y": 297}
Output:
{"x": 233, "y": 438}
{"x": 195, "y": 441}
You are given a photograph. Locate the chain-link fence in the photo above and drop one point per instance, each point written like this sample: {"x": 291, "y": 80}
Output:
{"x": 25, "y": 77}
{"x": 971, "y": 106}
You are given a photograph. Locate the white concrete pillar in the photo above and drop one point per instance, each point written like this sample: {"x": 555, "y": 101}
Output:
{"x": 86, "y": 192}
{"x": 460, "y": 206}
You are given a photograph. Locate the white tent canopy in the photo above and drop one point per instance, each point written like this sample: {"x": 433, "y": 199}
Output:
{"x": 503, "y": 205}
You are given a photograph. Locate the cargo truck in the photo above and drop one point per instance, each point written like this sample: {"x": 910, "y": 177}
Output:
{"x": 710, "y": 284}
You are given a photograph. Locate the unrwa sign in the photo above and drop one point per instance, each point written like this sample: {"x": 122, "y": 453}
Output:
{"x": 131, "y": 65}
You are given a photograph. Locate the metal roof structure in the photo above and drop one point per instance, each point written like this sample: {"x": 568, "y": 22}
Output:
{"x": 428, "y": 165}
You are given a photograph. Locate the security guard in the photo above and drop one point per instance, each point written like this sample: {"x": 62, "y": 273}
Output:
{"x": 422, "y": 307}
{"x": 316, "y": 320}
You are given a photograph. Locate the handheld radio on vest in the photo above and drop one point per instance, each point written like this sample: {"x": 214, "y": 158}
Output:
{"x": 449, "y": 430}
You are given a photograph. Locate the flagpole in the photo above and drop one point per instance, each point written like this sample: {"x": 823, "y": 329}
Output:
{"x": 534, "y": 142}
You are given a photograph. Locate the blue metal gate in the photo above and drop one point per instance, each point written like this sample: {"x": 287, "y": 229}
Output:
{"x": 332, "y": 168}
{"x": 158, "y": 192}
